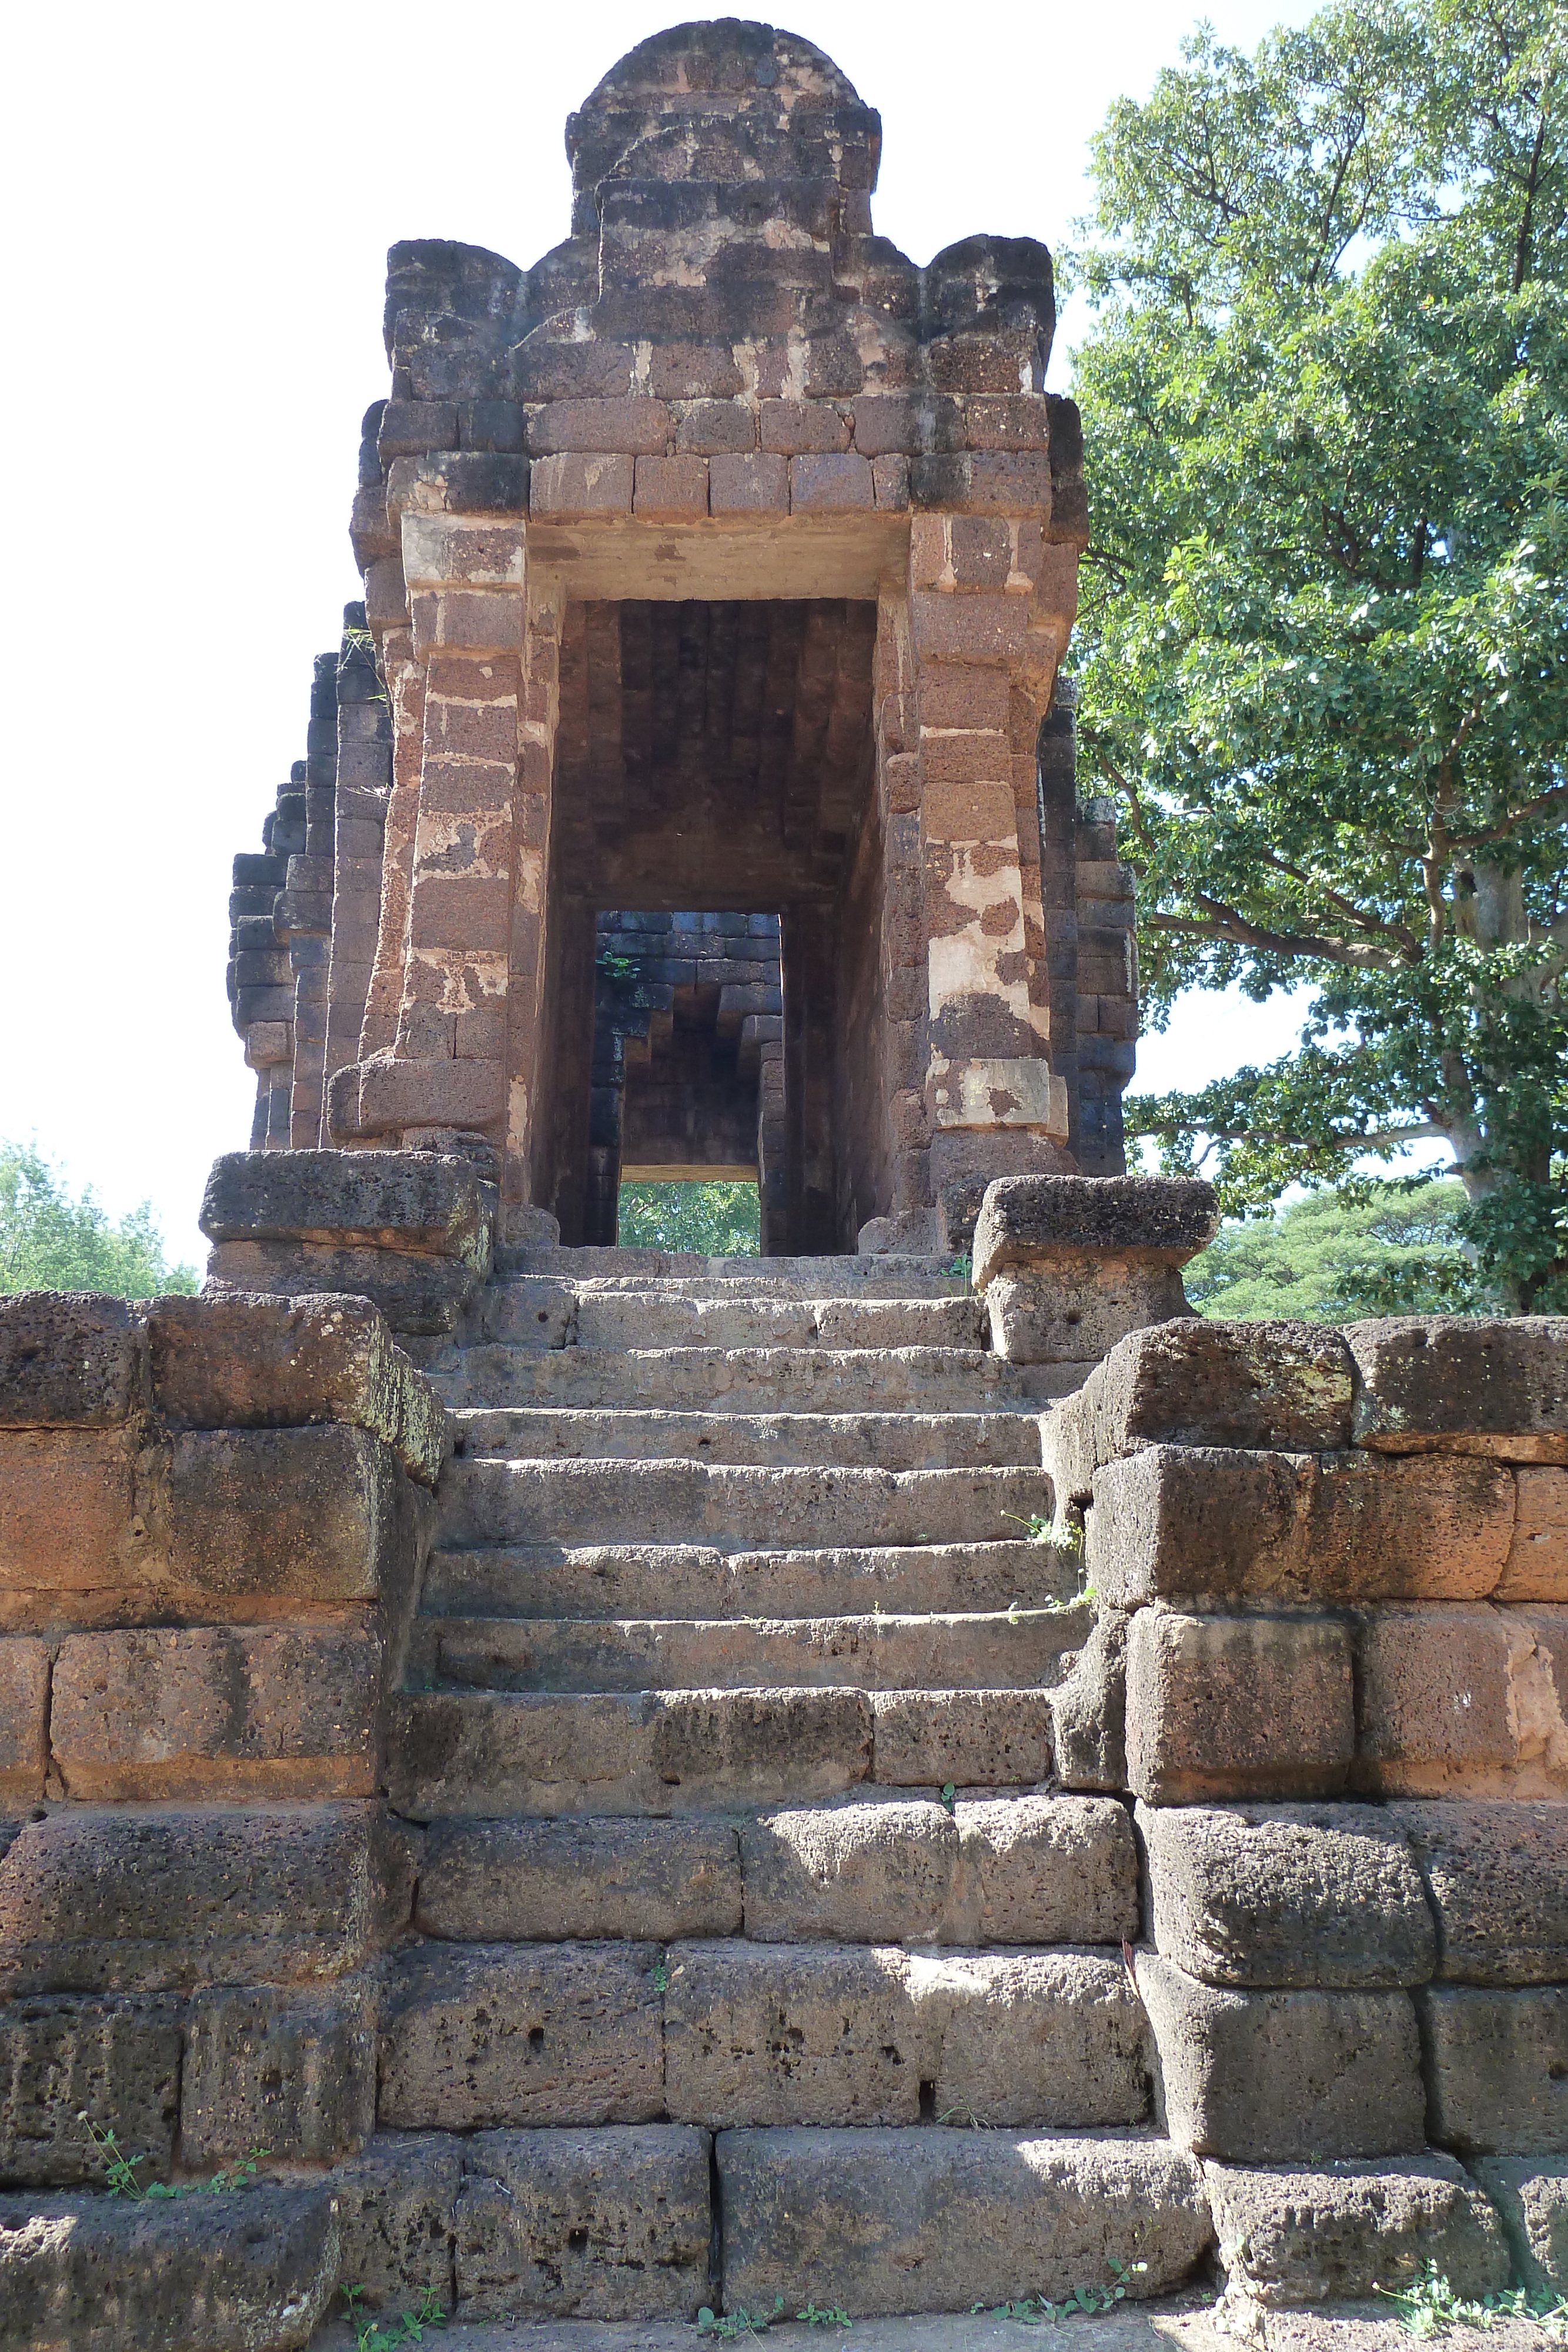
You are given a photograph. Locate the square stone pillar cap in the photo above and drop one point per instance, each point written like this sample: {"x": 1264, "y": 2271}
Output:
{"x": 1039, "y": 1220}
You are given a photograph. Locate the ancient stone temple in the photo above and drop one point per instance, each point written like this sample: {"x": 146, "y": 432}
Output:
{"x": 721, "y": 560}
{"x": 599, "y": 1791}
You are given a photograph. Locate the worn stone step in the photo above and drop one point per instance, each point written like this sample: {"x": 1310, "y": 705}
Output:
{"x": 814, "y": 1278}
{"x": 615, "y": 2219}
{"x": 869, "y": 1441}
{"x": 749, "y": 1380}
{"x": 1005, "y": 1650}
{"x": 734, "y": 1507}
{"x": 645, "y": 1579}
{"x": 893, "y": 2220}
{"x": 100, "y": 2273}
{"x": 532, "y": 1313}
{"x": 1181, "y": 2323}
{"x": 724, "y": 2033}
{"x": 890, "y": 1275}
{"x": 657, "y": 1752}
{"x": 1015, "y": 1870}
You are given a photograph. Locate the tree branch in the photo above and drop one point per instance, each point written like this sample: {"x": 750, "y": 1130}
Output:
{"x": 1556, "y": 798}
{"x": 1226, "y": 923}
{"x": 1399, "y": 932}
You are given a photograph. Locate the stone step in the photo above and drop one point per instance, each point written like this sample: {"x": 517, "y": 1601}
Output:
{"x": 818, "y": 1279}
{"x": 543, "y": 1311}
{"x": 665, "y": 1752}
{"x": 528, "y": 2227}
{"x": 699, "y": 1580}
{"x": 735, "y": 1507}
{"x": 1182, "y": 2322}
{"x": 1012, "y": 1650}
{"x": 104, "y": 2273}
{"x": 867, "y": 1441}
{"x": 1012, "y": 1870}
{"x": 877, "y": 1275}
{"x": 727, "y": 2033}
{"x": 750, "y": 1380}
{"x": 888, "y": 2221}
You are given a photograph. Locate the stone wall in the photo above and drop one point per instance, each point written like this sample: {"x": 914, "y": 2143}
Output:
{"x": 214, "y": 1521}
{"x": 303, "y": 914}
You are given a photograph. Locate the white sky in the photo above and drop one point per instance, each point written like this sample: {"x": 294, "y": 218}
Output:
{"x": 200, "y": 201}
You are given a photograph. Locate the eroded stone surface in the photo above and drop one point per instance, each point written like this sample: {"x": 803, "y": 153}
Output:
{"x": 1260, "y": 2077}
{"x": 85, "y": 2274}
{"x": 604, "y": 2224}
{"x": 1277, "y": 1895}
{"x": 1296, "y": 2234}
{"x": 889, "y": 2222}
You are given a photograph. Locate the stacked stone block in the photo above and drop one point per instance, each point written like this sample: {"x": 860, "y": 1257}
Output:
{"x": 1329, "y": 1668}
{"x": 293, "y": 911}
{"x": 213, "y": 1521}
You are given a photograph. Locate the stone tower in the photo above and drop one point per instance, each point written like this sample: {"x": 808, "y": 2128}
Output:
{"x": 724, "y": 560}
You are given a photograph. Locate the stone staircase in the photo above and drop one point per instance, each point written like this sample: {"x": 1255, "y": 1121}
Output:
{"x": 754, "y": 1955}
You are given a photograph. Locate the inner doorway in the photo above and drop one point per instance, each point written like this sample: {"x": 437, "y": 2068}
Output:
{"x": 688, "y": 1061}
{"x": 714, "y": 791}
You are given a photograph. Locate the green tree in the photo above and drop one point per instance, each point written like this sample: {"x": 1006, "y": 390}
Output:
{"x": 713, "y": 1220}
{"x": 1395, "y": 1252}
{"x": 53, "y": 1239}
{"x": 1323, "y": 655}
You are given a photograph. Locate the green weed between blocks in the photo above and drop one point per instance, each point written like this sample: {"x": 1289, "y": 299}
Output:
{"x": 1431, "y": 2307}
{"x": 1068, "y": 1546}
{"x": 1037, "y": 2311}
{"x": 381, "y": 2335}
{"x": 120, "y": 2171}
{"x": 736, "y": 2323}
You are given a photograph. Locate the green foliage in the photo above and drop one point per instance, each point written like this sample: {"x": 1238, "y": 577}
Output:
{"x": 1037, "y": 2311}
{"x": 1394, "y": 1251}
{"x": 1431, "y": 2307}
{"x": 830, "y": 2315}
{"x": 381, "y": 2335}
{"x": 1323, "y": 648}
{"x": 713, "y": 1220}
{"x": 50, "y": 1240}
{"x": 120, "y": 2172}
{"x": 738, "y": 2323}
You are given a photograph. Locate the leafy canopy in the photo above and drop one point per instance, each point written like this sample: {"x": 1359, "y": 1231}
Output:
{"x": 1323, "y": 656}
{"x": 713, "y": 1220}
{"x": 53, "y": 1239}
{"x": 1396, "y": 1252}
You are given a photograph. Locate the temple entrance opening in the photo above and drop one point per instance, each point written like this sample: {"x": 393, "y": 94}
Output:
{"x": 713, "y": 982}
{"x": 687, "y": 1080}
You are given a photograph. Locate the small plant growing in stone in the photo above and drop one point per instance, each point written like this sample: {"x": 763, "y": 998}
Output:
{"x": 1038, "y": 2311}
{"x": 949, "y": 1794}
{"x": 381, "y": 2335}
{"x": 1429, "y": 2307}
{"x": 963, "y": 1266}
{"x": 829, "y": 2314}
{"x": 739, "y": 2323}
{"x": 964, "y": 2114}
{"x": 661, "y": 1973}
{"x": 120, "y": 2171}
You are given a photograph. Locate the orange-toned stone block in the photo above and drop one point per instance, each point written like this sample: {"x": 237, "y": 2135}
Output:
{"x": 285, "y": 1710}
{"x": 23, "y": 1720}
{"x": 68, "y": 1509}
{"x": 1537, "y": 1564}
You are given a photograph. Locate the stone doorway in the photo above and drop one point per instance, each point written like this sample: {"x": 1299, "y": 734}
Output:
{"x": 687, "y": 1081}
{"x": 720, "y": 754}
